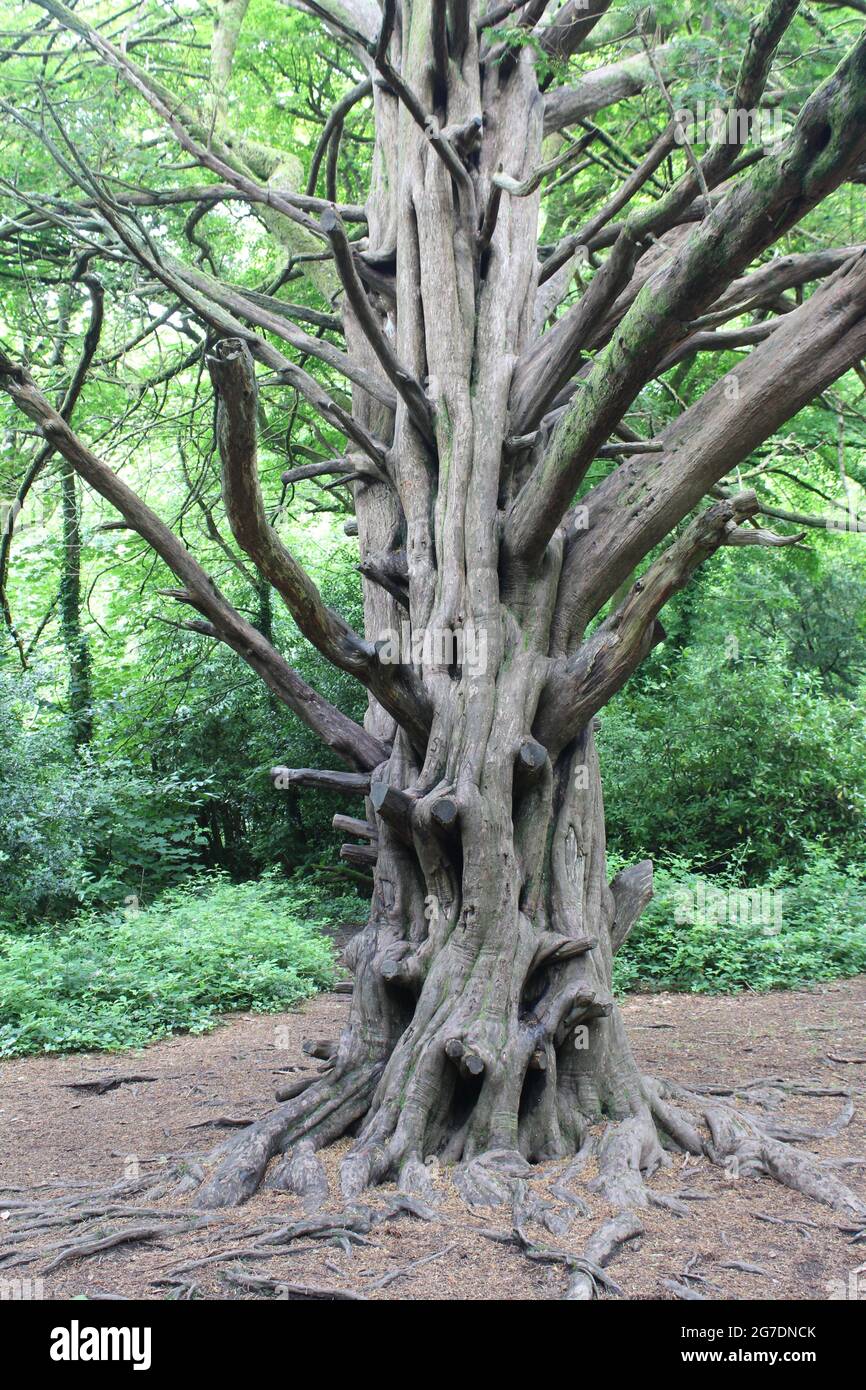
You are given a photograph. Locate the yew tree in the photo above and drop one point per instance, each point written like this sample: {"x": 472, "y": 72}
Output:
{"x": 518, "y": 534}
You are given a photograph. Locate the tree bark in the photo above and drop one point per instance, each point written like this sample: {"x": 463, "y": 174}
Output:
{"x": 74, "y": 636}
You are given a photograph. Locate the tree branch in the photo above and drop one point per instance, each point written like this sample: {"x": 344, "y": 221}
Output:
{"x": 605, "y": 86}
{"x": 581, "y": 684}
{"x": 827, "y": 143}
{"x": 410, "y": 391}
{"x": 332, "y": 126}
{"x": 395, "y": 687}
{"x": 352, "y": 743}
{"x": 227, "y": 325}
{"x": 258, "y": 311}
{"x": 70, "y": 398}
{"x": 196, "y": 135}
{"x": 636, "y": 506}
{"x": 570, "y": 25}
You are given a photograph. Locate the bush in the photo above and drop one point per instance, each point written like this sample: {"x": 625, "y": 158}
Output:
{"x": 732, "y": 762}
{"x": 811, "y": 927}
{"x": 75, "y": 833}
{"x": 127, "y": 978}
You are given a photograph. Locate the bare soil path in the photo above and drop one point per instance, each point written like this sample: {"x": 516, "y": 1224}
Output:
{"x": 55, "y": 1133}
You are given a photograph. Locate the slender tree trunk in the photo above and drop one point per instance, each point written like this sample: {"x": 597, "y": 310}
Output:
{"x": 74, "y": 636}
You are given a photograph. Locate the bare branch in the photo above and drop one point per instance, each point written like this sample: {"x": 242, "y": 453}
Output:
{"x": 408, "y": 388}
{"x": 327, "y": 468}
{"x": 634, "y": 508}
{"x": 827, "y": 143}
{"x": 579, "y": 685}
{"x": 193, "y": 134}
{"x": 333, "y": 125}
{"x": 66, "y": 409}
{"x": 624, "y": 194}
{"x": 632, "y": 889}
{"x": 549, "y": 364}
{"x": 573, "y": 22}
{"x": 352, "y": 743}
{"x": 604, "y": 86}
{"x": 842, "y": 523}
{"x": 265, "y": 313}
{"x": 323, "y": 779}
{"x": 396, "y": 688}
{"x": 748, "y": 535}
{"x": 229, "y": 326}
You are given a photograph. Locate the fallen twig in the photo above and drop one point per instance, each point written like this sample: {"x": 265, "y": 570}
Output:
{"x": 405, "y": 1270}
{"x": 93, "y": 1247}
{"x": 785, "y": 1220}
{"x": 684, "y": 1291}
{"x": 291, "y": 1291}
{"x": 106, "y": 1083}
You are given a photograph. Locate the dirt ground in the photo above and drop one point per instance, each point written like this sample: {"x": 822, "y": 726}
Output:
{"x": 55, "y": 1141}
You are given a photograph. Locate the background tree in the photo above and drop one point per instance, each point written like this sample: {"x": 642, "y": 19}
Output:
{"x": 521, "y": 500}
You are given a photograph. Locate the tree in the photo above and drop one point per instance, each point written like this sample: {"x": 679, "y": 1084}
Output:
{"x": 507, "y": 595}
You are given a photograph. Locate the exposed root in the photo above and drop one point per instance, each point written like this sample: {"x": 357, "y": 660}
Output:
{"x": 684, "y": 1291}
{"x": 652, "y": 1118}
{"x": 745, "y": 1150}
{"x": 747, "y": 1145}
{"x": 106, "y": 1083}
{"x": 94, "y": 1247}
{"x": 302, "y": 1172}
{"x": 598, "y": 1251}
{"x": 416, "y": 1181}
{"x": 405, "y": 1270}
{"x": 321, "y": 1114}
{"x": 528, "y": 1205}
{"x": 489, "y": 1180}
{"x": 283, "y": 1289}
{"x": 587, "y": 1275}
{"x": 627, "y": 1152}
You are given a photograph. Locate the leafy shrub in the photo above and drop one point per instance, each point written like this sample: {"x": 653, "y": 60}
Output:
{"x": 125, "y": 978}
{"x": 732, "y": 762}
{"x": 75, "y": 833}
{"x": 819, "y": 932}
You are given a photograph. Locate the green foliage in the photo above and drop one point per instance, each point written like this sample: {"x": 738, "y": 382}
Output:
{"x": 808, "y": 928}
{"x": 127, "y": 978}
{"x": 733, "y": 761}
{"x": 223, "y": 731}
{"x": 177, "y": 778}
{"x": 74, "y": 832}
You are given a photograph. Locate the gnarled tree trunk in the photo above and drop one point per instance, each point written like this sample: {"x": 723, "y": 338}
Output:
{"x": 482, "y": 1016}
{"x": 482, "y": 1019}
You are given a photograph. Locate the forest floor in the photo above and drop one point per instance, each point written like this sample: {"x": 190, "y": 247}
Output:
{"x": 58, "y": 1138}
